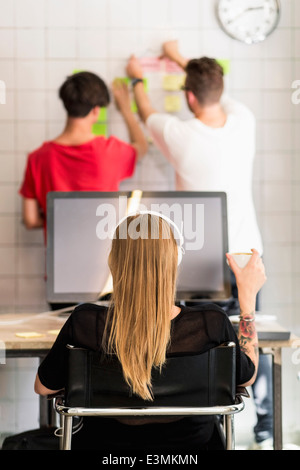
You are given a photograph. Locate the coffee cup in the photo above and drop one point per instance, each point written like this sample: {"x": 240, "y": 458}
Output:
{"x": 241, "y": 259}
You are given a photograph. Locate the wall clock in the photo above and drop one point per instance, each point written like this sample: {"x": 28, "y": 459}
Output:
{"x": 249, "y": 21}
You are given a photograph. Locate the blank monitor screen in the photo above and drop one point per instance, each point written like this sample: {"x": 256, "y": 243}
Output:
{"x": 80, "y": 226}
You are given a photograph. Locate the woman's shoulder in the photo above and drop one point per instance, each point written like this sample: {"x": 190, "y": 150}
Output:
{"x": 210, "y": 310}
{"x": 90, "y": 307}
{"x": 197, "y": 328}
{"x": 88, "y": 311}
{"x": 88, "y": 324}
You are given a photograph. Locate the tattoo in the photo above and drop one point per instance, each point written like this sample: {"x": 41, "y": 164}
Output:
{"x": 247, "y": 332}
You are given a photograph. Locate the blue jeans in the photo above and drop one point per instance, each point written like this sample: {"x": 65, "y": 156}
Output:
{"x": 263, "y": 399}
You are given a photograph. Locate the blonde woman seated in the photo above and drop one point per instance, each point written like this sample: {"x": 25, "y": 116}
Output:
{"x": 143, "y": 327}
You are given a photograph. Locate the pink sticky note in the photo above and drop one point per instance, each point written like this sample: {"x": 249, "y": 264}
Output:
{"x": 150, "y": 64}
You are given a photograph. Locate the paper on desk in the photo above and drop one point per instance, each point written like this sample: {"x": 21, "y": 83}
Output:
{"x": 29, "y": 334}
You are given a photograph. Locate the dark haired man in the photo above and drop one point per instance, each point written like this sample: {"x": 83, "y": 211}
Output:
{"x": 77, "y": 160}
{"x": 213, "y": 151}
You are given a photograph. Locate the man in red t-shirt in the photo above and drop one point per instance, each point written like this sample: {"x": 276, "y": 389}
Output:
{"x": 77, "y": 160}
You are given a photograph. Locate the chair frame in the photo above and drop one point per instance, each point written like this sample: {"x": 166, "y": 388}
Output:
{"x": 228, "y": 411}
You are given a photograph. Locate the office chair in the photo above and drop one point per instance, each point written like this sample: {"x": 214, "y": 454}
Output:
{"x": 202, "y": 384}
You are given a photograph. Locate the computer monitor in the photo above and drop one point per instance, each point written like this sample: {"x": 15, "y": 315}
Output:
{"x": 80, "y": 226}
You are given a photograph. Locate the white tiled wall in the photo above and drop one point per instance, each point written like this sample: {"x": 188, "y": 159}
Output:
{"x": 42, "y": 41}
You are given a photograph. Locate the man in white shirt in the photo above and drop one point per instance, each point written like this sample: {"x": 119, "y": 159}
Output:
{"x": 213, "y": 151}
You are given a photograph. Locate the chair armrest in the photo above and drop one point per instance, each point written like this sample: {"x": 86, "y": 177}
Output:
{"x": 59, "y": 394}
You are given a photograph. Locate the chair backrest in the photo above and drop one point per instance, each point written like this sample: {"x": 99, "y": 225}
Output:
{"x": 206, "y": 379}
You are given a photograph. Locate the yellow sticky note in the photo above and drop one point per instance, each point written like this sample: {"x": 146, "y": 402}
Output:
{"x": 173, "y": 82}
{"x": 29, "y": 334}
{"x": 172, "y": 103}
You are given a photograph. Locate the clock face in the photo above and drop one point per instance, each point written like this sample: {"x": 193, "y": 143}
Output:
{"x": 249, "y": 21}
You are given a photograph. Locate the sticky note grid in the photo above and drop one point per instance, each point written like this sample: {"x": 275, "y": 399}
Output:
{"x": 172, "y": 82}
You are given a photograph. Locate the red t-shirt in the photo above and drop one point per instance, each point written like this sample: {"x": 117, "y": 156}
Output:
{"x": 98, "y": 165}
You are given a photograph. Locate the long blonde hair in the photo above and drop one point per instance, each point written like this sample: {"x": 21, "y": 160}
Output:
{"x": 144, "y": 270}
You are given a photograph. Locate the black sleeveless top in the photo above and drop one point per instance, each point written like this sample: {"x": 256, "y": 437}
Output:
{"x": 194, "y": 330}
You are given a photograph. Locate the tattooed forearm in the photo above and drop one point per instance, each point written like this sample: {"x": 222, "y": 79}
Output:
{"x": 248, "y": 336}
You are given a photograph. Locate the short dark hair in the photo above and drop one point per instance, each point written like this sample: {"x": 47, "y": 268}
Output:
{"x": 204, "y": 78}
{"x": 81, "y": 92}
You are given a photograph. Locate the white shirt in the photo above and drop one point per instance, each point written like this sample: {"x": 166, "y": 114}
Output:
{"x": 215, "y": 159}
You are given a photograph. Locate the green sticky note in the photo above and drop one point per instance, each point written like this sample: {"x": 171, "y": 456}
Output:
{"x": 102, "y": 115}
{"x": 225, "y": 64}
{"x": 124, "y": 79}
{"x": 128, "y": 81}
{"x": 77, "y": 71}
{"x": 100, "y": 129}
{"x": 134, "y": 108}
{"x": 145, "y": 80}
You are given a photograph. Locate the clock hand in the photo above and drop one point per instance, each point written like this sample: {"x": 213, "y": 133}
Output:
{"x": 243, "y": 12}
